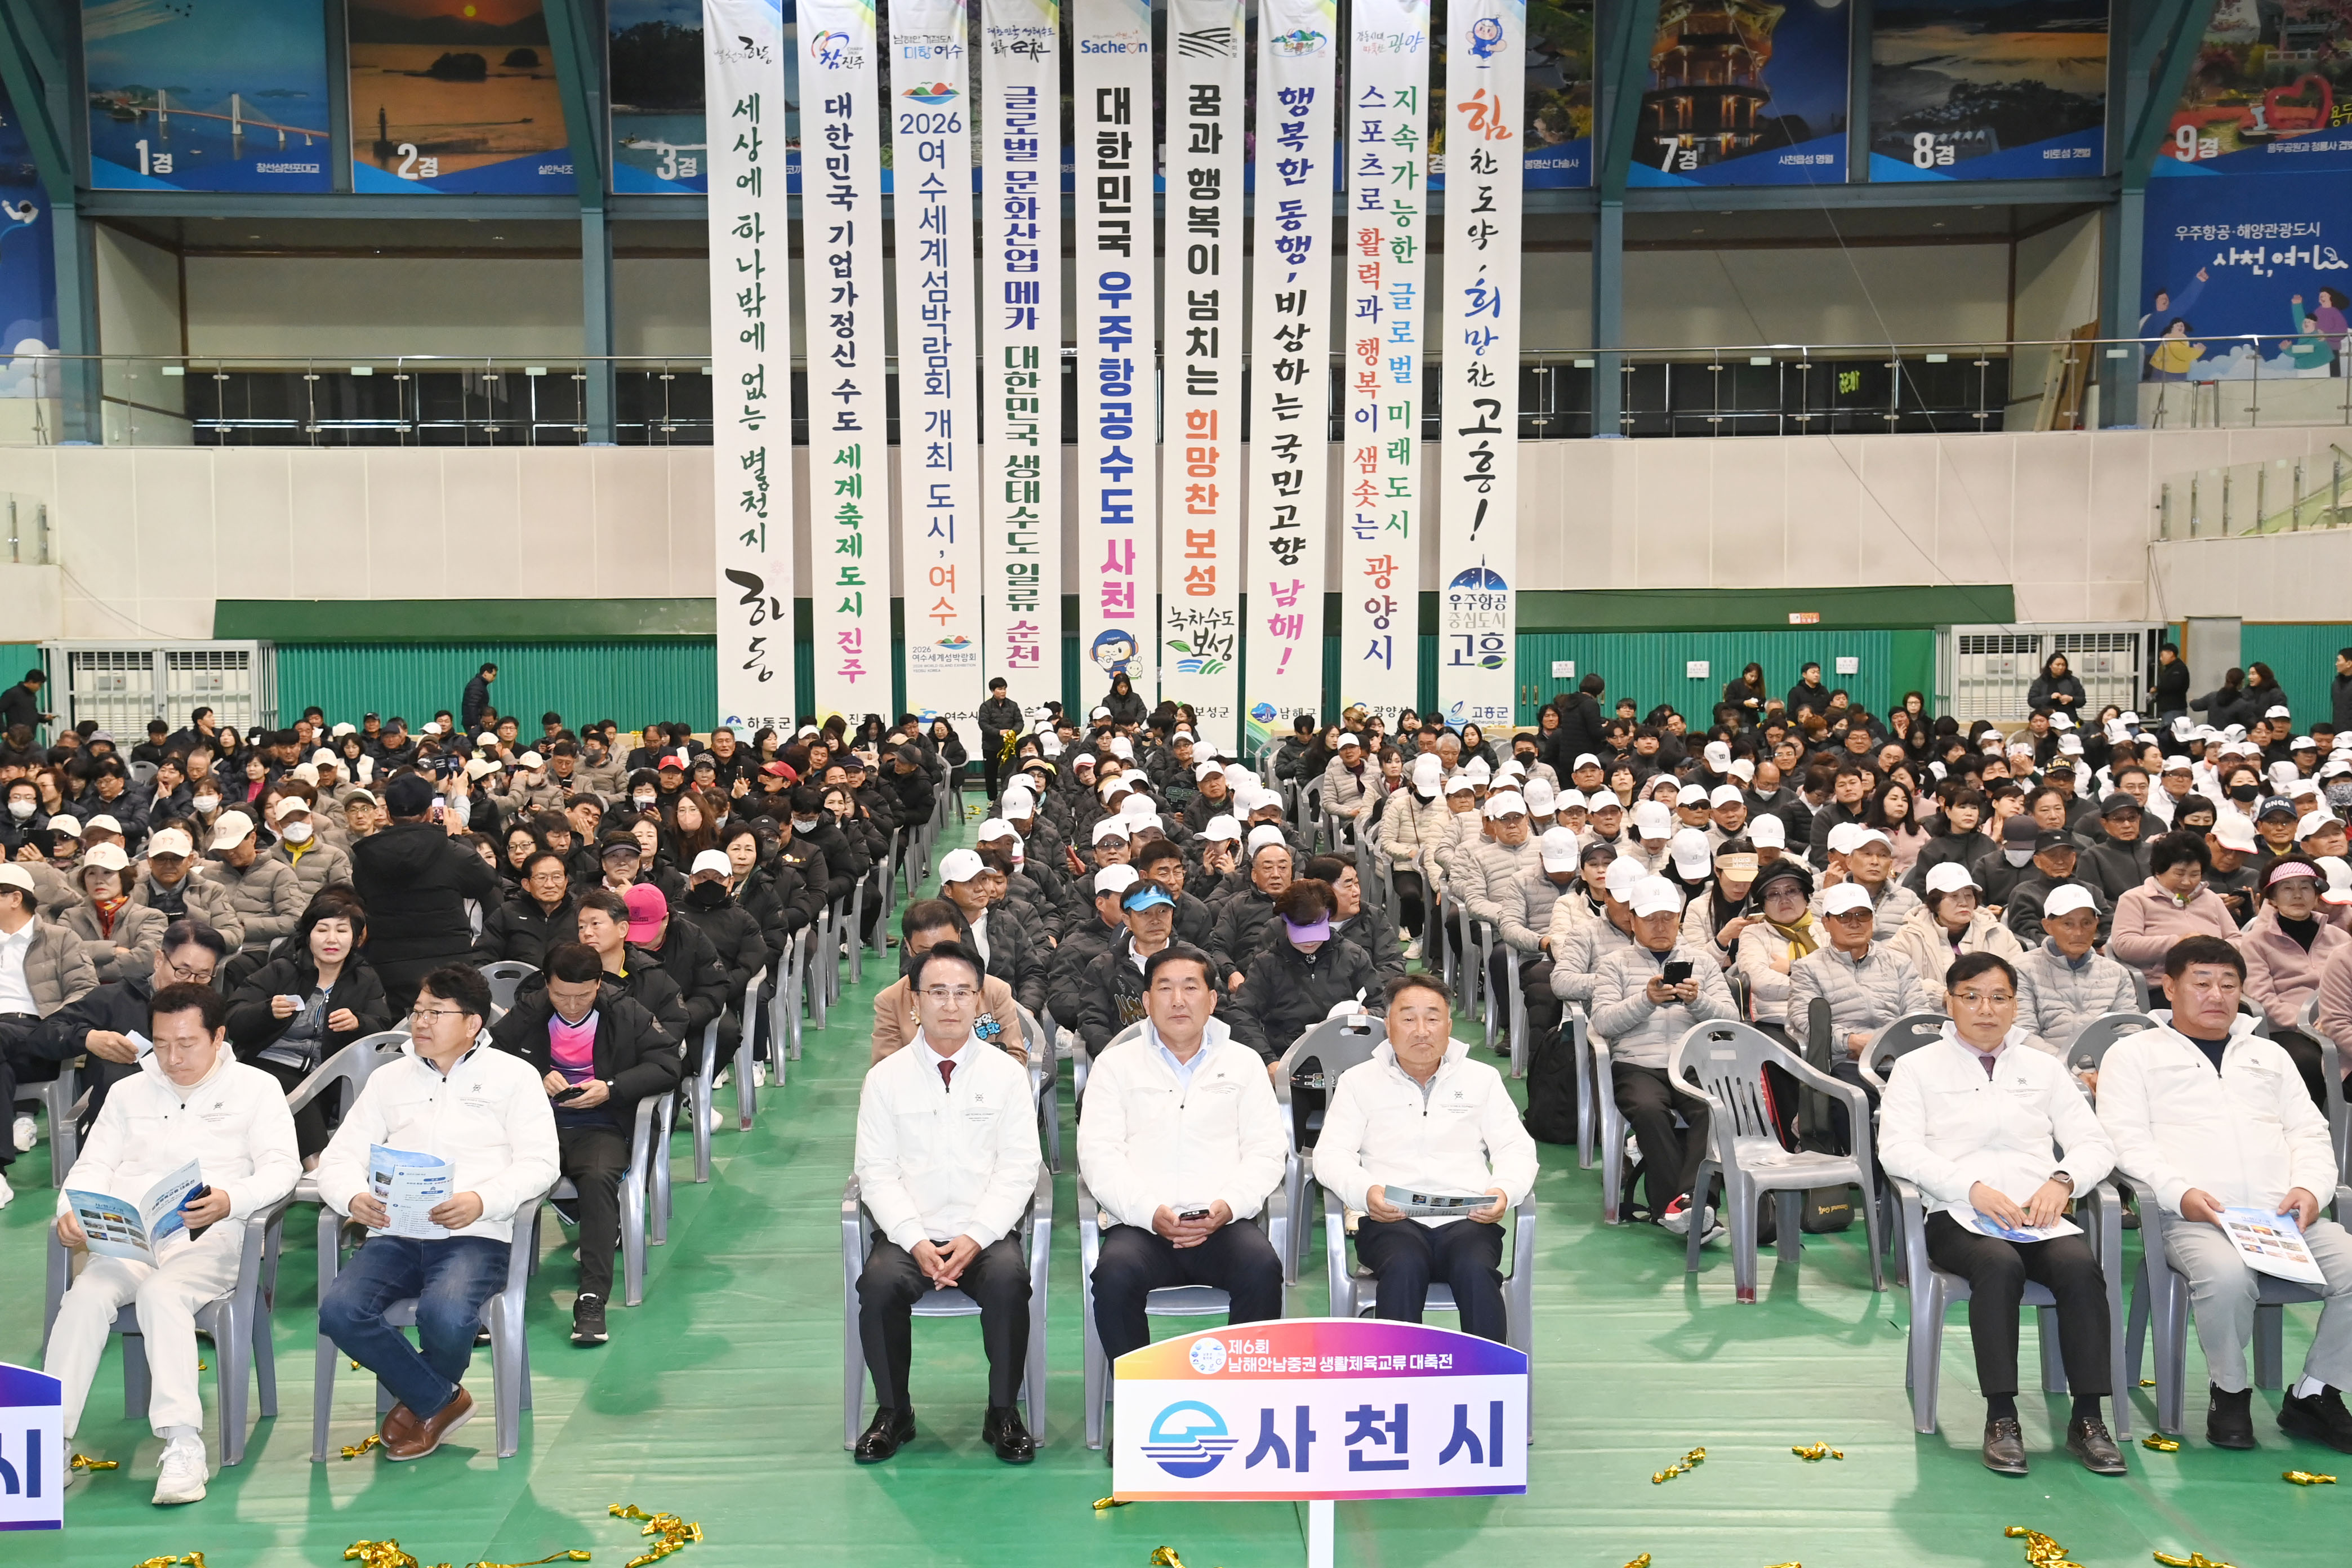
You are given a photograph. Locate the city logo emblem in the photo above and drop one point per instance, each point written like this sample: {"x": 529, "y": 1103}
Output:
{"x": 938, "y": 92}
{"x": 1301, "y": 41}
{"x": 1188, "y": 1439}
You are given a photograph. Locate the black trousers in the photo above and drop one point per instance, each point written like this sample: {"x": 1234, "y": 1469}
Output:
{"x": 1412, "y": 901}
{"x": 312, "y": 1125}
{"x": 593, "y": 1159}
{"x": 19, "y": 1064}
{"x": 998, "y": 1280}
{"x": 1545, "y": 1011}
{"x": 988, "y": 769}
{"x": 2307, "y": 1061}
{"x": 1407, "y": 1256}
{"x": 1997, "y": 1271}
{"x": 1670, "y": 1156}
{"x": 1236, "y": 1259}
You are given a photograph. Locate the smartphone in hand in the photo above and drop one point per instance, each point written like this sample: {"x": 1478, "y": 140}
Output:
{"x": 1676, "y": 972}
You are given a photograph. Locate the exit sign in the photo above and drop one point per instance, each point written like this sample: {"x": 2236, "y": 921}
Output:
{"x": 1804, "y": 617}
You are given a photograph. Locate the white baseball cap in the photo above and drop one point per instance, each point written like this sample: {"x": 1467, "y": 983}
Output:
{"x": 2339, "y": 877}
{"x": 1863, "y": 835}
{"x": 1694, "y": 856}
{"x": 1625, "y": 873}
{"x": 1584, "y": 759}
{"x": 1110, "y": 828}
{"x": 1428, "y": 771}
{"x": 1842, "y": 837}
{"x": 1116, "y": 879}
{"x": 2278, "y": 710}
{"x": 1541, "y": 800}
{"x": 104, "y": 822}
{"x": 171, "y": 841}
{"x": 1559, "y": 846}
{"x": 712, "y": 861}
{"x": 324, "y": 758}
{"x": 1461, "y": 783}
{"x": 1691, "y": 795}
{"x": 1654, "y": 896}
{"x": 67, "y": 823}
{"x": 1769, "y": 832}
{"x": 1717, "y": 755}
{"x": 2066, "y": 898}
{"x": 1478, "y": 769}
{"x": 1223, "y": 829}
{"x": 1122, "y": 748}
{"x": 231, "y": 830}
{"x": 1724, "y": 794}
{"x": 2313, "y": 821}
{"x": 1845, "y": 896}
{"x": 1017, "y": 802}
{"x": 289, "y": 807}
{"x": 1506, "y": 802}
{"x": 995, "y": 828}
{"x": 1949, "y": 877}
{"x": 2232, "y": 831}
{"x": 530, "y": 761}
{"x": 483, "y": 767}
{"x": 1202, "y": 770}
{"x": 1741, "y": 769}
{"x": 1570, "y": 800}
{"x": 105, "y": 858}
{"x": 11, "y": 875}
{"x": 960, "y": 866}
{"x": 1653, "y": 820}
{"x": 1266, "y": 835}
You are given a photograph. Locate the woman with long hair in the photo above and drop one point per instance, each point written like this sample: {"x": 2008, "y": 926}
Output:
{"x": 2056, "y": 688}
{"x": 1890, "y": 810}
{"x": 314, "y": 998}
{"x": 1748, "y": 694}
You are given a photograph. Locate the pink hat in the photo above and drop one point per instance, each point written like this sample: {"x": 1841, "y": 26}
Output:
{"x": 647, "y": 910}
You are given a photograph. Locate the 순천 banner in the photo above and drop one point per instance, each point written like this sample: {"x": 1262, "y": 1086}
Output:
{"x": 750, "y": 361}
{"x": 841, "y": 285}
{"x": 1290, "y": 396}
{"x": 1020, "y": 331}
{"x": 1479, "y": 323}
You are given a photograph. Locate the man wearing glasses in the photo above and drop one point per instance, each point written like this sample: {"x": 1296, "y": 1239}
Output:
{"x": 947, "y": 1160}
{"x": 100, "y": 1024}
{"x": 455, "y": 1097}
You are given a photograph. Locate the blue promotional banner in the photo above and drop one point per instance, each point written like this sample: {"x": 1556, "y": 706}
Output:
{"x": 2272, "y": 92}
{"x": 1558, "y": 151}
{"x": 2257, "y": 254}
{"x": 455, "y": 96}
{"x": 1742, "y": 92}
{"x": 34, "y": 1463}
{"x": 659, "y": 142}
{"x": 29, "y": 279}
{"x": 228, "y": 97}
{"x": 1985, "y": 90}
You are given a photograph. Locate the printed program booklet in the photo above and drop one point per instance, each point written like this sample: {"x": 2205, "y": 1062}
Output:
{"x": 144, "y": 1231}
{"x": 2272, "y": 1243}
{"x": 410, "y": 1186}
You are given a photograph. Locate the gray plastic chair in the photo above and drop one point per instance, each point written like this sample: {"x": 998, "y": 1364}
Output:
{"x": 506, "y": 977}
{"x": 143, "y": 773}
{"x": 354, "y": 1065}
{"x": 1899, "y": 1037}
{"x": 858, "y": 1244}
{"x": 239, "y": 1324}
{"x": 1728, "y": 1061}
{"x": 1573, "y": 1024}
{"x": 59, "y": 1099}
{"x": 1934, "y": 1293}
{"x": 1175, "y": 1301}
{"x": 2331, "y": 1072}
{"x": 1335, "y": 1045}
{"x": 700, "y": 1089}
{"x": 1044, "y": 1084}
{"x": 502, "y": 1314}
{"x": 2098, "y": 1035}
{"x": 635, "y": 1191}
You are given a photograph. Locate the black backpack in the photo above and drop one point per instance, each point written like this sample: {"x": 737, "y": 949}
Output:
{"x": 1550, "y": 1116}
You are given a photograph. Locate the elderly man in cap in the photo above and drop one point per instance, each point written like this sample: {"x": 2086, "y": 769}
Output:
{"x": 168, "y": 884}
{"x": 1867, "y": 984}
{"x": 1351, "y": 786}
{"x": 976, "y": 888}
{"x": 1248, "y": 924}
{"x": 2056, "y": 863}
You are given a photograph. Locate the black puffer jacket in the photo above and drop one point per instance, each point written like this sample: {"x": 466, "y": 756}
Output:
{"x": 632, "y": 1052}
{"x": 415, "y": 881}
{"x": 1288, "y": 992}
{"x": 253, "y": 1027}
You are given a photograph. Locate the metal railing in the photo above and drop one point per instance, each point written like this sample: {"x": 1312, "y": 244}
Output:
{"x": 2280, "y": 495}
{"x": 24, "y": 530}
{"x": 1750, "y": 389}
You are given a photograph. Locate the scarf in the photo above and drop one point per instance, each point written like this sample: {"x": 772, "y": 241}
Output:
{"x": 105, "y": 909}
{"x": 1803, "y": 935}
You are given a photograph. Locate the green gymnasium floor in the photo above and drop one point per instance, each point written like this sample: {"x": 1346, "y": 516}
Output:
{"x": 719, "y": 1399}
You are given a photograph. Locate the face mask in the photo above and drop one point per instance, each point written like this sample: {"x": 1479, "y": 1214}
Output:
{"x": 2244, "y": 792}
{"x": 642, "y": 801}
{"x": 295, "y": 833}
{"x": 20, "y": 809}
{"x": 804, "y": 825}
{"x": 207, "y": 802}
{"x": 2017, "y": 856}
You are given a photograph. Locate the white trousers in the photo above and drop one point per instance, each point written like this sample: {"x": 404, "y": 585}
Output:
{"x": 167, "y": 1298}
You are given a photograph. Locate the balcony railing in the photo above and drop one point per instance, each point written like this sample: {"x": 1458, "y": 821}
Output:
{"x": 2280, "y": 495}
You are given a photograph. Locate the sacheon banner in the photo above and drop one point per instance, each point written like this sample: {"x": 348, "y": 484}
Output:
{"x": 1290, "y": 397}
{"x": 1478, "y": 319}
{"x": 751, "y": 362}
{"x": 1117, "y": 425}
{"x": 939, "y": 346}
{"x": 841, "y": 285}
{"x": 1020, "y": 327}
{"x": 1201, "y": 327}
{"x": 1387, "y": 232}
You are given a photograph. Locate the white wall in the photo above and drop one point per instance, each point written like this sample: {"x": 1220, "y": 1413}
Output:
{"x": 2057, "y": 292}
{"x": 354, "y": 309}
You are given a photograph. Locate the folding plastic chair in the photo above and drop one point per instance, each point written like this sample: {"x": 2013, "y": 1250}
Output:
{"x": 2331, "y": 1073}
{"x": 1577, "y": 1029}
{"x": 858, "y": 1244}
{"x": 1044, "y": 1084}
{"x": 1334, "y": 1046}
{"x": 698, "y": 1091}
{"x": 506, "y": 977}
{"x": 636, "y": 1192}
{"x": 239, "y": 1323}
{"x": 59, "y": 1100}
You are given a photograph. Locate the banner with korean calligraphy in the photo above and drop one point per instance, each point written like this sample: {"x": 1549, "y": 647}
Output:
{"x": 841, "y": 288}
{"x": 1386, "y": 236}
{"x": 1020, "y": 69}
{"x": 939, "y": 347}
{"x": 1118, "y": 513}
{"x": 1200, "y": 559}
{"x": 2250, "y": 278}
{"x": 751, "y": 360}
{"x": 1290, "y": 396}
{"x": 1478, "y": 319}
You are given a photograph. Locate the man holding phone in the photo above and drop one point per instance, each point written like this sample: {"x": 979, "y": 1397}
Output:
{"x": 1423, "y": 1121}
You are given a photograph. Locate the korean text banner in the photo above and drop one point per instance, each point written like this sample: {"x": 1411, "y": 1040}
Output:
{"x": 939, "y": 354}
{"x": 2266, "y": 254}
{"x": 1201, "y": 327}
{"x": 2271, "y": 92}
{"x": 1478, "y": 320}
{"x": 1317, "y": 1408}
{"x": 229, "y": 98}
{"x": 750, "y": 361}
{"x": 1743, "y": 92}
{"x": 1388, "y": 235}
{"x": 1559, "y": 68}
{"x": 656, "y": 61}
{"x": 458, "y": 95}
{"x": 1117, "y": 415}
{"x": 841, "y": 292}
{"x": 1984, "y": 89}
{"x": 1290, "y": 396}
{"x": 1021, "y": 328}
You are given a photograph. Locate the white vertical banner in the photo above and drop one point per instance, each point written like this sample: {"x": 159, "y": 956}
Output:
{"x": 939, "y": 354}
{"x": 1110, "y": 72}
{"x": 750, "y": 360}
{"x": 1478, "y": 321}
{"x": 841, "y": 289}
{"x": 1290, "y": 384}
{"x": 1020, "y": 327}
{"x": 1201, "y": 327}
{"x": 1387, "y": 233}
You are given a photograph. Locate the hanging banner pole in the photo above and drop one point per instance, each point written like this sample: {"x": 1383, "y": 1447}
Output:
{"x": 939, "y": 345}
{"x": 1021, "y": 325}
{"x": 1290, "y": 389}
{"x": 841, "y": 288}
{"x": 1387, "y": 230}
{"x": 1478, "y": 458}
{"x": 751, "y": 360}
{"x": 1119, "y": 426}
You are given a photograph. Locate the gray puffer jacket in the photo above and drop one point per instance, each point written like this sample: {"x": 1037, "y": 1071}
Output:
{"x": 1861, "y": 997}
{"x": 1640, "y": 1033}
{"x": 202, "y": 899}
{"x": 322, "y": 863}
{"x": 266, "y": 896}
{"x": 1575, "y": 961}
{"x": 2055, "y": 998}
{"x": 137, "y": 929}
{"x": 1525, "y": 925}
{"x": 56, "y": 970}
{"x": 1489, "y": 879}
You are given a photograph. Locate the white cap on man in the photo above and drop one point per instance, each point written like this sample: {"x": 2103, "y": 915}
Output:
{"x": 1558, "y": 847}
{"x": 1845, "y": 897}
{"x": 1653, "y": 821}
{"x": 961, "y": 866}
{"x": 1655, "y": 896}
{"x": 2066, "y": 898}
{"x": 1768, "y": 831}
{"x": 1625, "y": 873}
{"x": 1694, "y": 856}
{"x": 1506, "y": 802}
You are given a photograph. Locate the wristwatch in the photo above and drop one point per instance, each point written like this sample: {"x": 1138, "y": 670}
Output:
{"x": 2062, "y": 1177}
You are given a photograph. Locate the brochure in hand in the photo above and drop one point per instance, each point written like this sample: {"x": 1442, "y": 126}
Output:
{"x": 1984, "y": 1223}
{"x": 410, "y": 1186}
{"x": 2272, "y": 1243}
{"x": 146, "y": 1230}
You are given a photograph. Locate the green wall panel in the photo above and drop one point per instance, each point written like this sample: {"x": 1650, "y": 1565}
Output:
{"x": 2302, "y": 654}
{"x": 636, "y": 681}
{"x": 1652, "y": 666}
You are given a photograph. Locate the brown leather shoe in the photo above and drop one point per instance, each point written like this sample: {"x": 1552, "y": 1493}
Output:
{"x": 399, "y": 1424}
{"x": 426, "y": 1433}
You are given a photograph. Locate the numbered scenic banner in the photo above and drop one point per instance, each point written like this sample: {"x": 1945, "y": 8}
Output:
{"x": 656, "y": 63}
{"x": 456, "y": 95}
{"x": 1758, "y": 101}
{"x": 1988, "y": 91}
{"x": 187, "y": 99}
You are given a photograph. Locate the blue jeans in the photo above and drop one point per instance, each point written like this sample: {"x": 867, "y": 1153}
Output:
{"x": 449, "y": 1280}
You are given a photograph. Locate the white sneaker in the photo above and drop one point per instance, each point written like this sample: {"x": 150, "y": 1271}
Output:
{"x": 1413, "y": 952}
{"x": 182, "y": 1477}
{"x": 759, "y": 1075}
{"x": 27, "y": 1133}
{"x": 1677, "y": 1218}
{"x": 717, "y": 1118}
{"x": 7, "y": 1193}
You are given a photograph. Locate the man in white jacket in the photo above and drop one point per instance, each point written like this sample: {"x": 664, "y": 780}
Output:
{"x": 947, "y": 1161}
{"x": 456, "y": 1097}
{"x": 191, "y": 1100}
{"x": 1972, "y": 1118}
{"x": 1421, "y": 1117}
{"x": 2205, "y": 1117}
{"x": 1180, "y": 1138}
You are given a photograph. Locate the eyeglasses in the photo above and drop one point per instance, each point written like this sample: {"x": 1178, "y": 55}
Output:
{"x": 1983, "y": 998}
{"x": 944, "y": 994}
{"x": 202, "y": 977}
{"x": 425, "y": 1015}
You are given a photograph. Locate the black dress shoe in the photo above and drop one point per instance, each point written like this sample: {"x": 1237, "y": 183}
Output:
{"x": 2088, "y": 1440}
{"x": 889, "y": 1432}
{"x": 1003, "y": 1431}
{"x": 2230, "y": 1419}
{"x": 2004, "y": 1447}
{"x": 2322, "y": 1418}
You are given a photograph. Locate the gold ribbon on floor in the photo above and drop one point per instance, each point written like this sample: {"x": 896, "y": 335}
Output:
{"x": 571, "y": 1556}
{"x": 1641, "y": 1561}
{"x": 2307, "y": 1479}
{"x": 381, "y": 1554}
{"x": 1817, "y": 1452}
{"x": 188, "y": 1559}
{"x": 1104, "y": 1504}
{"x": 2194, "y": 1559}
{"x": 372, "y": 1440}
{"x": 1165, "y": 1557}
{"x": 2160, "y": 1443}
{"x": 1688, "y": 1462}
{"x": 670, "y": 1532}
{"x": 2041, "y": 1552}
{"x": 84, "y": 1462}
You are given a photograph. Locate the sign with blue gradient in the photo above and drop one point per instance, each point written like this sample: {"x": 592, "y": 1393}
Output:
{"x": 32, "y": 1450}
